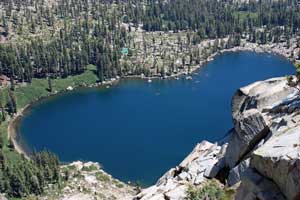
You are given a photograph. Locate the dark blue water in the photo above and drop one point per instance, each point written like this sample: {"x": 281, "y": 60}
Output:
{"x": 138, "y": 130}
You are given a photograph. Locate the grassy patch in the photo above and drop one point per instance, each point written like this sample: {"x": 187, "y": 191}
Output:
{"x": 38, "y": 88}
{"x": 71, "y": 167}
{"x": 3, "y": 134}
{"x": 118, "y": 184}
{"x": 100, "y": 176}
{"x": 211, "y": 190}
{"x": 89, "y": 168}
{"x": 243, "y": 15}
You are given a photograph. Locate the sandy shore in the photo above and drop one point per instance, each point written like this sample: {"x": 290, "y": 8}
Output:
{"x": 12, "y": 130}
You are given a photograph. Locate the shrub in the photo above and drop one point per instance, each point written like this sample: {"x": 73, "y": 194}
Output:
{"x": 90, "y": 168}
{"x": 210, "y": 191}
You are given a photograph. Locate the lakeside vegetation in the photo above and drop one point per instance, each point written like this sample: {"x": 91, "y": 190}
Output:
{"x": 47, "y": 46}
{"x": 38, "y": 87}
{"x": 19, "y": 176}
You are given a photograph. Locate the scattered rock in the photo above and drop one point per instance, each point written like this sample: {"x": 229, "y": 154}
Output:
{"x": 78, "y": 196}
{"x": 87, "y": 181}
{"x": 70, "y": 88}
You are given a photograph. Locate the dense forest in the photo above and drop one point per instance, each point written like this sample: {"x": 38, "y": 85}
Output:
{"x": 80, "y": 33}
{"x": 60, "y": 38}
{"x": 21, "y": 177}
{"x": 217, "y": 19}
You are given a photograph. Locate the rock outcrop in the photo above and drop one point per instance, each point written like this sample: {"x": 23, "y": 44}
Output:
{"x": 267, "y": 132}
{"x": 87, "y": 181}
{"x": 279, "y": 160}
{"x": 250, "y": 116}
{"x": 262, "y": 156}
{"x": 192, "y": 169}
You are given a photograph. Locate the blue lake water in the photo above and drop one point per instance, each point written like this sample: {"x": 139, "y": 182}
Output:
{"x": 137, "y": 130}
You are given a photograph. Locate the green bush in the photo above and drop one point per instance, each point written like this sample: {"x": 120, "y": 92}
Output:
{"x": 90, "y": 168}
{"x": 100, "y": 176}
{"x": 210, "y": 191}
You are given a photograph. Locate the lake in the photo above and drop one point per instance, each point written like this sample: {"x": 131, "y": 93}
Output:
{"x": 138, "y": 130}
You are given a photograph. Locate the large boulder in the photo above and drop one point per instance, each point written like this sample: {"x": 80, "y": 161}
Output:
{"x": 260, "y": 95}
{"x": 251, "y": 121}
{"x": 279, "y": 160}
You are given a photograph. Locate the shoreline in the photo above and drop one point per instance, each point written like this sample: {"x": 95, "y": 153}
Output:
{"x": 12, "y": 131}
{"x": 275, "y": 49}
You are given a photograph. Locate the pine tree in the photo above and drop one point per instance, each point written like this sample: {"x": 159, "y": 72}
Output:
{"x": 49, "y": 84}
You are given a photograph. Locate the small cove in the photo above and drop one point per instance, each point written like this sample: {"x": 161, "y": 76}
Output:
{"x": 138, "y": 130}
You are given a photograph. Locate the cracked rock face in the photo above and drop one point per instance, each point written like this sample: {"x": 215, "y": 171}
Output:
{"x": 274, "y": 154}
{"x": 251, "y": 124}
{"x": 279, "y": 160}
